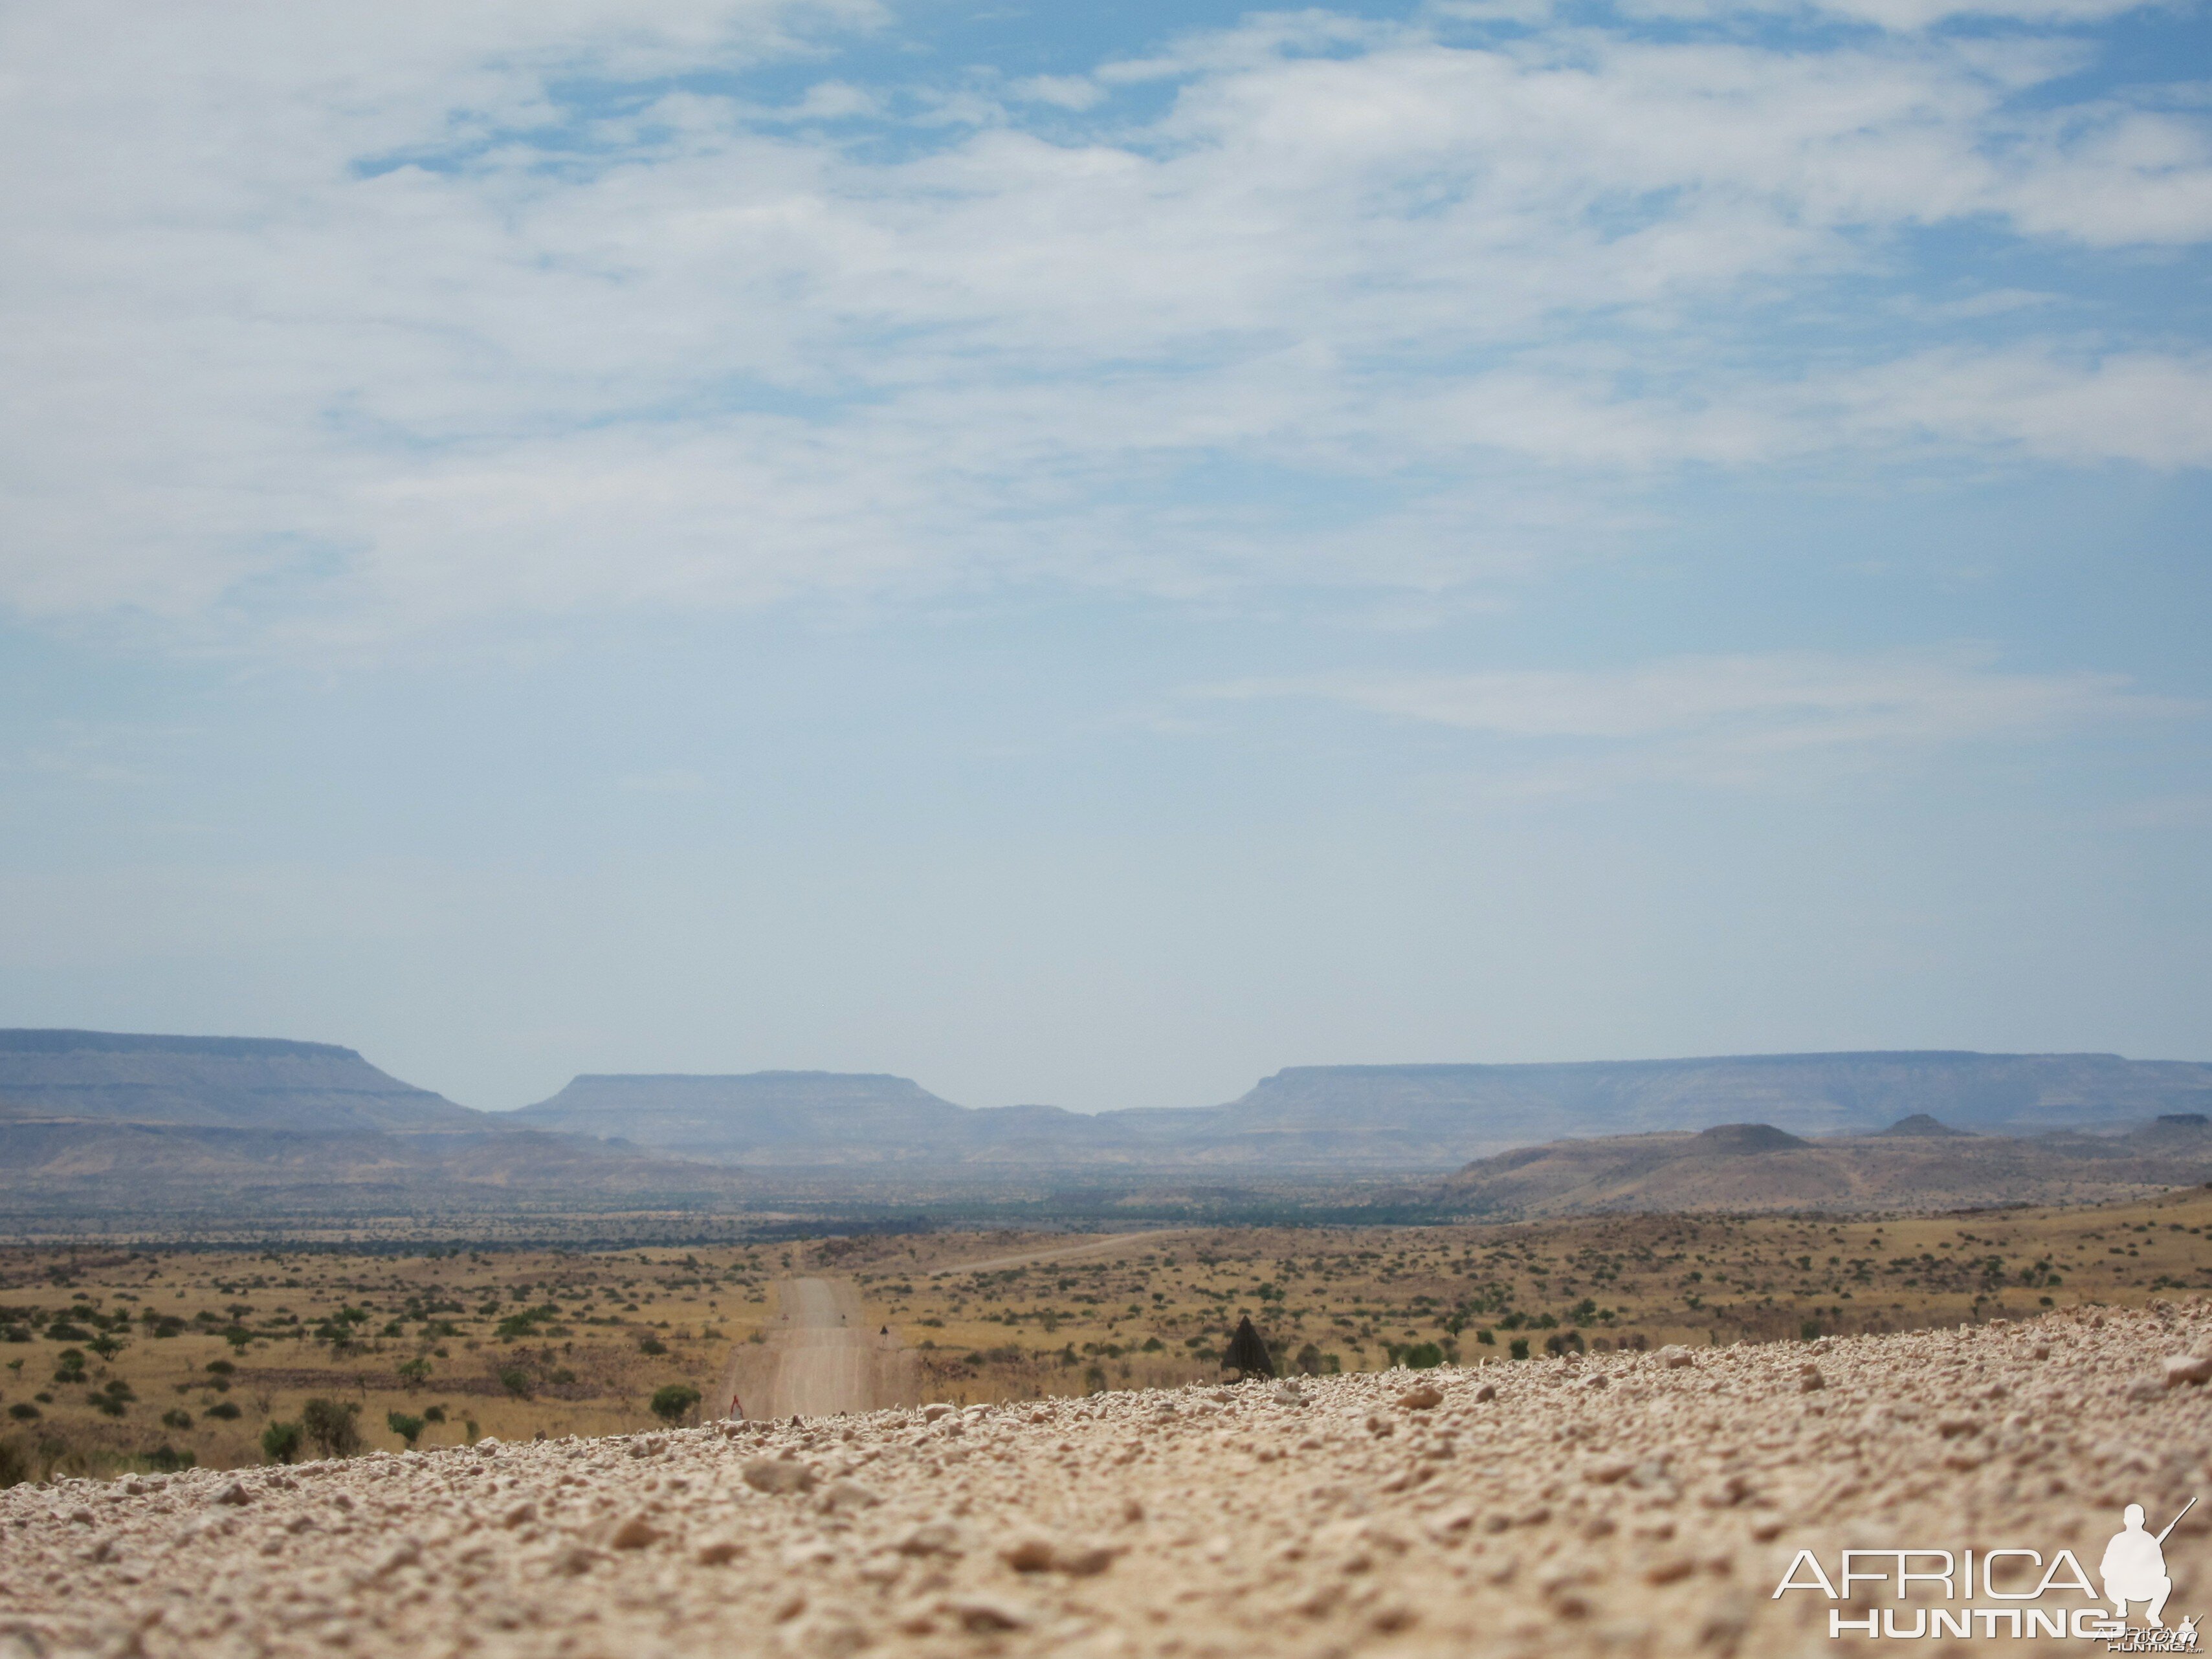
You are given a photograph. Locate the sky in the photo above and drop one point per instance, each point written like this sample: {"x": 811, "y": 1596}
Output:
{"x": 1086, "y": 554}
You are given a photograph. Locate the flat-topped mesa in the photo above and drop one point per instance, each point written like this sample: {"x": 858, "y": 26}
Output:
{"x": 216, "y": 1082}
{"x": 795, "y": 1117}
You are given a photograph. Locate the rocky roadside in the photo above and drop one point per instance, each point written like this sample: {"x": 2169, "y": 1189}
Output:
{"x": 1621, "y": 1505}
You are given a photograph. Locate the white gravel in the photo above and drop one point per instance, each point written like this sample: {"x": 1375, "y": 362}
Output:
{"x": 1622, "y": 1504}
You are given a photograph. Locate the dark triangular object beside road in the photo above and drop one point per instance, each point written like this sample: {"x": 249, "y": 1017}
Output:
{"x": 1247, "y": 1353}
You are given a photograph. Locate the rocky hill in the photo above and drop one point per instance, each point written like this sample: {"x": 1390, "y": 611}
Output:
{"x": 1626, "y": 1504}
{"x": 1919, "y": 1164}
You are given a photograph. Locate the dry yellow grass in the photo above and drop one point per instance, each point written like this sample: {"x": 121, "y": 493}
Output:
{"x": 995, "y": 1316}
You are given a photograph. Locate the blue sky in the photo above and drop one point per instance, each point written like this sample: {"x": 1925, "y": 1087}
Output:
{"x": 1086, "y": 554}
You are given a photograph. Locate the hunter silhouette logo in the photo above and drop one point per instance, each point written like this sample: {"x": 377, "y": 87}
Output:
{"x": 2132, "y": 1569}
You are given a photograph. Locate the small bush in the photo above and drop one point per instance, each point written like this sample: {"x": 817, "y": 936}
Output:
{"x": 515, "y": 1381}
{"x": 674, "y": 1403}
{"x": 1485, "y": 1337}
{"x": 409, "y": 1429}
{"x": 225, "y": 1410}
{"x": 1520, "y": 1348}
{"x": 1422, "y": 1357}
{"x": 14, "y": 1465}
{"x": 433, "y": 1415}
{"x": 221, "y": 1367}
{"x": 330, "y": 1423}
{"x": 23, "y": 1411}
{"x": 280, "y": 1442}
{"x": 176, "y": 1419}
{"x": 653, "y": 1347}
{"x": 168, "y": 1459}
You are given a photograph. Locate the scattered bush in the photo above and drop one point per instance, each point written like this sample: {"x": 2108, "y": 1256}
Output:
{"x": 674, "y": 1403}
{"x": 280, "y": 1442}
{"x": 1520, "y": 1348}
{"x": 516, "y": 1382}
{"x": 14, "y": 1465}
{"x": 225, "y": 1410}
{"x": 221, "y": 1367}
{"x": 435, "y": 1415}
{"x": 1422, "y": 1357}
{"x": 168, "y": 1459}
{"x": 653, "y": 1347}
{"x": 330, "y": 1424}
{"x": 409, "y": 1429}
{"x": 23, "y": 1411}
{"x": 176, "y": 1419}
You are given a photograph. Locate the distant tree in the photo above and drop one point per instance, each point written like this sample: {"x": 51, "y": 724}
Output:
{"x": 1421, "y": 1356}
{"x": 674, "y": 1403}
{"x": 1310, "y": 1360}
{"x": 409, "y": 1429}
{"x": 1520, "y": 1348}
{"x": 1248, "y": 1354}
{"x": 280, "y": 1442}
{"x": 516, "y": 1381}
{"x": 330, "y": 1423}
{"x": 411, "y": 1372}
{"x": 177, "y": 1419}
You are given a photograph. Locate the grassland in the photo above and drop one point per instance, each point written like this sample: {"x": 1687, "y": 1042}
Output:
{"x": 151, "y": 1355}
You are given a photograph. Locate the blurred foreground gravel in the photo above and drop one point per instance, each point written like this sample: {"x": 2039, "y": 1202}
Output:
{"x": 1621, "y": 1504}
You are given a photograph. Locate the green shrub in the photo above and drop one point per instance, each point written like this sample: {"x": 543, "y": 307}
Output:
{"x": 1422, "y": 1357}
{"x": 176, "y": 1419}
{"x": 515, "y": 1381}
{"x": 280, "y": 1442}
{"x": 652, "y": 1346}
{"x": 14, "y": 1465}
{"x": 168, "y": 1459}
{"x": 330, "y": 1423}
{"x": 409, "y": 1429}
{"x": 225, "y": 1410}
{"x": 1520, "y": 1348}
{"x": 674, "y": 1403}
{"x": 23, "y": 1411}
{"x": 435, "y": 1415}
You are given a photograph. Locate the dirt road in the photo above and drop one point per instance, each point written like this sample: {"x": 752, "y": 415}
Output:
{"x": 821, "y": 1357}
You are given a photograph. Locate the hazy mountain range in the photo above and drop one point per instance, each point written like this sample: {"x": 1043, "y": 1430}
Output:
{"x": 1320, "y": 1119}
{"x": 95, "y": 1119}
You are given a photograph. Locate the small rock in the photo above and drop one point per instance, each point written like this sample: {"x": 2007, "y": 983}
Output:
{"x": 520, "y": 1514}
{"x": 635, "y": 1534}
{"x": 1809, "y": 1380}
{"x": 777, "y": 1475}
{"x": 717, "y": 1550}
{"x": 1674, "y": 1357}
{"x": 2191, "y": 1367}
{"x": 1668, "y": 1571}
{"x": 1030, "y": 1555}
{"x": 1485, "y": 1391}
{"x": 1421, "y": 1398}
{"x": 843, "y": 1495}
{"x": 1289, "y": 1394}
{"x": 234, "y": 1492}
{"x": 932, "y": 1537}
{"x": 981, "y": 1614}
{"x": 936, "y": 1409}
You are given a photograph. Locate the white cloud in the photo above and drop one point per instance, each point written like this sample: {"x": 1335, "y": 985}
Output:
{"x": 358, "y": 324}
{"x": 1732, "y": 718}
